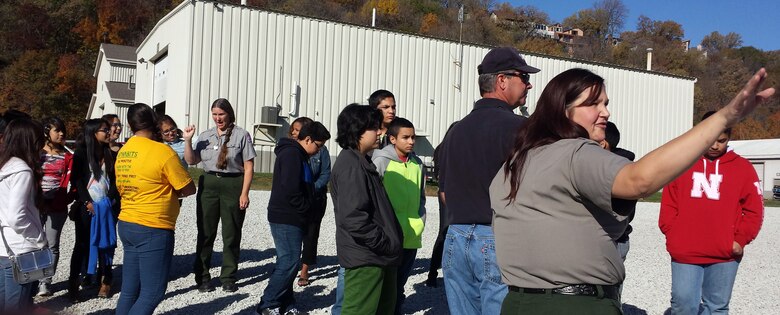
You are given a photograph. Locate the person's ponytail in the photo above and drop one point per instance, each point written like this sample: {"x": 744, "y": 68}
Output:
{"x": 222, "y": 159}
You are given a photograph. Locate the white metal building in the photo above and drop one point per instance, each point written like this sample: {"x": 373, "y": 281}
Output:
{"x": 764, "y": 154}
{"x": 115, "y": 71}
{"x": 264, "y": 61}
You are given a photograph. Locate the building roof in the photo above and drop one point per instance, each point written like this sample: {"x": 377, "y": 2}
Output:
{"x": 250, "y": 7}
{"x": 120, "y": 92}
{"x": 757, "y": 149}
{"x": 119, "y": 52}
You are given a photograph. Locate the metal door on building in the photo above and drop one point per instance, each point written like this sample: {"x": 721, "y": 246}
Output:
{"x": 160, "y": 80}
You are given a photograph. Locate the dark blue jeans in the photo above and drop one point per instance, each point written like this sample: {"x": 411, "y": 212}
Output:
{"x": 14, "y": 297}
{"x": 288, "y": 240}
{"x": 147, "y": 262}
{"x": 407, "y": 262}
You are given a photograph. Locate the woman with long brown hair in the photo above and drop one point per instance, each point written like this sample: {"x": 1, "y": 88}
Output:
{"x": 554, "y": 223}
{"x": 20, "y": 173}
{"x": 228, "y": 154}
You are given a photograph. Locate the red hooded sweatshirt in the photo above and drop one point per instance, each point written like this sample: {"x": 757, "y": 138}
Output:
{"x": 707, "y": 208}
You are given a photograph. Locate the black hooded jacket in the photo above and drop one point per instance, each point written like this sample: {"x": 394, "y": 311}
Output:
{"x": 367, "y": 231}
{"x": 292, "y": 189}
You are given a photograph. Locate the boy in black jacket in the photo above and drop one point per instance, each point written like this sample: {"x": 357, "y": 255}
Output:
{"x": 291, "y": 196}
{"x": 368, "y": 236}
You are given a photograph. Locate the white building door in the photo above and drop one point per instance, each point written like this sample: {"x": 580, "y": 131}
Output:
{"x": 160, "y": 80}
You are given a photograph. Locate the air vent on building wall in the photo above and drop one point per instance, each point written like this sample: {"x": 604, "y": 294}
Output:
{"x": 270, "y": 114}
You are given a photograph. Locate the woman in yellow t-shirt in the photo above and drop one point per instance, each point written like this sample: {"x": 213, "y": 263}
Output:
{"x": 150, "y": 179}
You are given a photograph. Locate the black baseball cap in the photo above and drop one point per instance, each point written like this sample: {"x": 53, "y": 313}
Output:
{"x": 503, "y": 59}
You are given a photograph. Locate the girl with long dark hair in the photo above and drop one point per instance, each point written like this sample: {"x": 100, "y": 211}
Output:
{"x": 56, "y": 163}
{"x": 94, "y": 180}
{"x": 115, "y": 134}
{"x": 20, "y": 221}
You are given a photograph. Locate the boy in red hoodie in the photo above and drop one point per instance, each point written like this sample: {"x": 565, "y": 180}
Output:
{"x": 708, "y": 215}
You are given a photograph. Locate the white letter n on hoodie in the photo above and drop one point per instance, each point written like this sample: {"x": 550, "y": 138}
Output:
{"x": 709, "y": 187}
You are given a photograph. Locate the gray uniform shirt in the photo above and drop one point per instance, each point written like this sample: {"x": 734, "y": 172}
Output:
{"x": 240, "y": 149}
{"x": 561, "y": 229}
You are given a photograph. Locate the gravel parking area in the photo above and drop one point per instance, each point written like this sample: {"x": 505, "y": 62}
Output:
{"x": 646, "y": 290}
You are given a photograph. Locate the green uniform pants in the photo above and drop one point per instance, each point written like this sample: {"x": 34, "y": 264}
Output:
{"x": 218, "y": 199}
{"x": 551, "y": 304}
{"x": 369, "y": 290}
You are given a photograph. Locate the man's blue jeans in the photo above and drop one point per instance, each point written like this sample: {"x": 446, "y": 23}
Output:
{"x": 336, "y": 308}
{"x": 14, "y": 297}
{"x": 709, "y": 285}
{"x": 145, "y": 268}
{"x": 288, "y": 240}
{"x": 622, "y": 248}
{"x": 472, "y": 278}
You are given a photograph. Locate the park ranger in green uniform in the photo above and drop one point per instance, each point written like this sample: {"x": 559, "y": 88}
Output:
{"x": 227, "y": 156}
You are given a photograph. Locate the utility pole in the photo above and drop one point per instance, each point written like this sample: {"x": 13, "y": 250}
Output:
{"x": 459, "y": 62}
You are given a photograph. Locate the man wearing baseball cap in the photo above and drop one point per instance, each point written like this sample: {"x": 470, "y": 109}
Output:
{"x": 471, "y": 154}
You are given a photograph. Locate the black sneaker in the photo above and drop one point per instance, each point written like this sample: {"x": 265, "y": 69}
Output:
{"x": 432, "y": 283}
{"x": 205, "y": 287}
{"x": 229, "y": 287}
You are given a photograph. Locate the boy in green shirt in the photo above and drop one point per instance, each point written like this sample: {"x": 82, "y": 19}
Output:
{"x": 404, "y": 181}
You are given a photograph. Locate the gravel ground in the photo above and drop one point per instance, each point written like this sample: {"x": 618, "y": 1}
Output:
{"x": 646, "y": 290}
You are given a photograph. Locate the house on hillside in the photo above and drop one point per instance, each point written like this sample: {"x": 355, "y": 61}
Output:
{"x": 558, "y": 32}
{"x": 275, "y": 67}
{"x": 115, "y": 89}
{"x": 764, "y": 154}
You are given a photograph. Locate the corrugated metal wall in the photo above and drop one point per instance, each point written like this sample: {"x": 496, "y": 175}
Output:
{"x": 121, "y": 111}
{"x": 256, "y": 58}
{"x": 121, "y": 73}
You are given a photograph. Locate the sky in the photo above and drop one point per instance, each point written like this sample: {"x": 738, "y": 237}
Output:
{"x": 757, "y": 21}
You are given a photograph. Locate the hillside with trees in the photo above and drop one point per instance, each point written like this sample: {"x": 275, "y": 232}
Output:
{"x": 48, "y": 47}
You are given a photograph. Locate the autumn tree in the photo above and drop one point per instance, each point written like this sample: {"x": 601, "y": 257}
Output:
{"x": 543, "y": 45}
{"x": 715, "y": 42}
{"x": 29, "y": 83}
{"x": 666, "y": 40}
{"x": 612, "y": 16}
{"x": 430, "y": 23}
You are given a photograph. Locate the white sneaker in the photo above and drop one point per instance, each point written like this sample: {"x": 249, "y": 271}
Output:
{"x": 44, "y": 290}
{"x": 293, "y": 311}
{"x": 270, "y": 311}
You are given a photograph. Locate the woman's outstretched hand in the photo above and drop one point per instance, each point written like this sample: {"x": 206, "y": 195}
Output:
{"x": 747, "y": 99}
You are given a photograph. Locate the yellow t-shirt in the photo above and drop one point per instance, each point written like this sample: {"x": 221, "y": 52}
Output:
{"x": 147, "y": 175}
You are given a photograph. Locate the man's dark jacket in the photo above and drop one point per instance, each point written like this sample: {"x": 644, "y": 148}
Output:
{"x": 367, "y": 231}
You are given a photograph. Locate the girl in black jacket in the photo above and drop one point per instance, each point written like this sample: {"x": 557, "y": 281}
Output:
{"x": 93, "y": 178}
{"x": 368, "y": 236}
